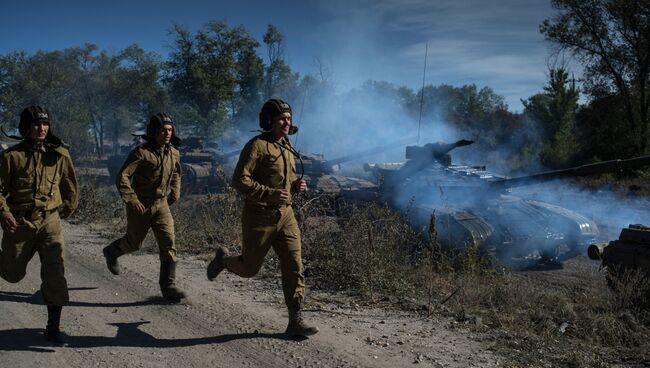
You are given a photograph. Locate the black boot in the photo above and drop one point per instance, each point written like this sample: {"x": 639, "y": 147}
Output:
{"x": 167, "y": 277}
{"x": 112, "y": 252}
{"x": 217, "y": 265}
{"x": 297, "y": 326}
{"x": 52, "y": 332}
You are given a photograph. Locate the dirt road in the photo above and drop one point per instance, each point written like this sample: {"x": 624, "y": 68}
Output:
{"x": 119, "y": 321}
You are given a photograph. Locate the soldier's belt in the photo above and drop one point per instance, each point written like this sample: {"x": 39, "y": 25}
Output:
{"x": 268, "y": 206}
{"x": 36, "y": 214}
{"x": 151, "y": 201}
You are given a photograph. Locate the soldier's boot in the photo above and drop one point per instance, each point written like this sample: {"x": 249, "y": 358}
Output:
{"x": 297, "y": 326}
{"x": 167, "y": 278}
{"x": 52, "y": 332}
{"x": 111, "y": 253}
{"x": 217, "y": 264}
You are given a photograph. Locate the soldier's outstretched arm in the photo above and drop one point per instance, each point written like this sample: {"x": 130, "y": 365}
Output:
{"x": 68, "y": 187}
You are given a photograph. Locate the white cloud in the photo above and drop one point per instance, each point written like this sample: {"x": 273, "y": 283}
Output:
{"x": 495, "y": 43}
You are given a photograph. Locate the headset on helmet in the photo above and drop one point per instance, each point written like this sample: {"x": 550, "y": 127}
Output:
{"x": 271, "y": 109}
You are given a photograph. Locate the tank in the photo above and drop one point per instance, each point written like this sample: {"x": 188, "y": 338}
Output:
{"x": 473, "y": 206}
{"x": 322, "y": 178}
{"x": 631, "y": 251}
{"x": 204, "y": 169}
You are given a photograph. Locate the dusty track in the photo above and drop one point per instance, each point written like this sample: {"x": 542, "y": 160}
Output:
{"x": 119, "y": 321}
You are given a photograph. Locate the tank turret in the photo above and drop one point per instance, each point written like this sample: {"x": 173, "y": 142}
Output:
{"x": 434, "y": 151}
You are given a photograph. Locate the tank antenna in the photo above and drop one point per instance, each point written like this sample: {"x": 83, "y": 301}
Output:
{"x": 424, "y": 75}
{"x": 302, "y": 108}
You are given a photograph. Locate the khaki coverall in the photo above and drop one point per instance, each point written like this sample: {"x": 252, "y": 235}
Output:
{"x": 265, "y": 166}
{"x": 35, "y": 180}
{"x": 152, "y": 175}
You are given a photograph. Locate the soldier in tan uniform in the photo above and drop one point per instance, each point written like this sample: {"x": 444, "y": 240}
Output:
{"x": 149, "y": 182}
{"x": 38, "y": 187}
{"x": 266, "y": 176}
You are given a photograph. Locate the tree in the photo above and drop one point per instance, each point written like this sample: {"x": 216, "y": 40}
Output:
{"x": 600, "y": 133}
{"x": 469, "y": 106}
{"x": 118, "y": 90}
{"x": 250, "y": 82}
{"x": 51, "y": 79}
{"x": 555, "y": 111}
{"x": 280, "y": 81}
{"x": 212, "y": 75}
{"x": 612, "y": 40}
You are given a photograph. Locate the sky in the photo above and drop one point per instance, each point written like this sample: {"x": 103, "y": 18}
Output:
{"x": 493, "y": 43}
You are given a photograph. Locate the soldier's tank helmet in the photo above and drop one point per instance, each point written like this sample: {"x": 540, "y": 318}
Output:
{"x": 270, "y": 110}
{"x": 156, "y": 122}
{"x": 33, "y": 115}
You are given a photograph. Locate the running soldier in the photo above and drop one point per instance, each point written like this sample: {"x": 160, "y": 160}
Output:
{"x": 38, "y": 187}
{"x": 149, "y": 182}
{"x": 266, "y": 176}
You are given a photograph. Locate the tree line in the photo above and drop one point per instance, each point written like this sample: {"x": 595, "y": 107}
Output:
{"x": 215, "y": 79}
{"x": 212, "y": 79}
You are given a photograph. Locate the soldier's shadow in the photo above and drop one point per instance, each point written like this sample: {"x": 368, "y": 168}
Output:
{"x": 24, "y": 339}
{"x": 128, "y": 335}
{"x": 37, "y": 298}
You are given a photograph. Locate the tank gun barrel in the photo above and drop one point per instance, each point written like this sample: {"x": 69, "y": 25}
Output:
{"x": 612, "y": 166}
{"x": 227, "y": 155}
{"x": 371, "y": 151}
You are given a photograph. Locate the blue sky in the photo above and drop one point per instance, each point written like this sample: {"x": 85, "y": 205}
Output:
{"x": 490, "y": 43}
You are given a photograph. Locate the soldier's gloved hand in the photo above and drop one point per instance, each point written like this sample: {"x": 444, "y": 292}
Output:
{"x": 65, "y": 212}
{"x": 138, "y": 207}
{"x": 9, "y": 223}
{"x": 279, "y": 196}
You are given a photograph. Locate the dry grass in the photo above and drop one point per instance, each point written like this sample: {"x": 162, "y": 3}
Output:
{"x": 370, "y": 252}
{"x": 97, "y": 204}
{"x": 560, "y": 318}
{"x": 206, "y": 221}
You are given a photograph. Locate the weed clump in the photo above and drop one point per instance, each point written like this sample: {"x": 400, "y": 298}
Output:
{"x": 97, "y": 204}
{"x": 206, "y": 221}
{"x": 369, "y": 251}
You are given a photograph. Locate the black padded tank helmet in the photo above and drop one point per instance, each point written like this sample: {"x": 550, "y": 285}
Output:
{"x": 156, "y": 122}
{"x": 31, "y": 115}
{"x": 271, "y": 109}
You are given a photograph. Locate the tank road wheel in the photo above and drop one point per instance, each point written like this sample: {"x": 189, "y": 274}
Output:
{"x": 550, "y": 255}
